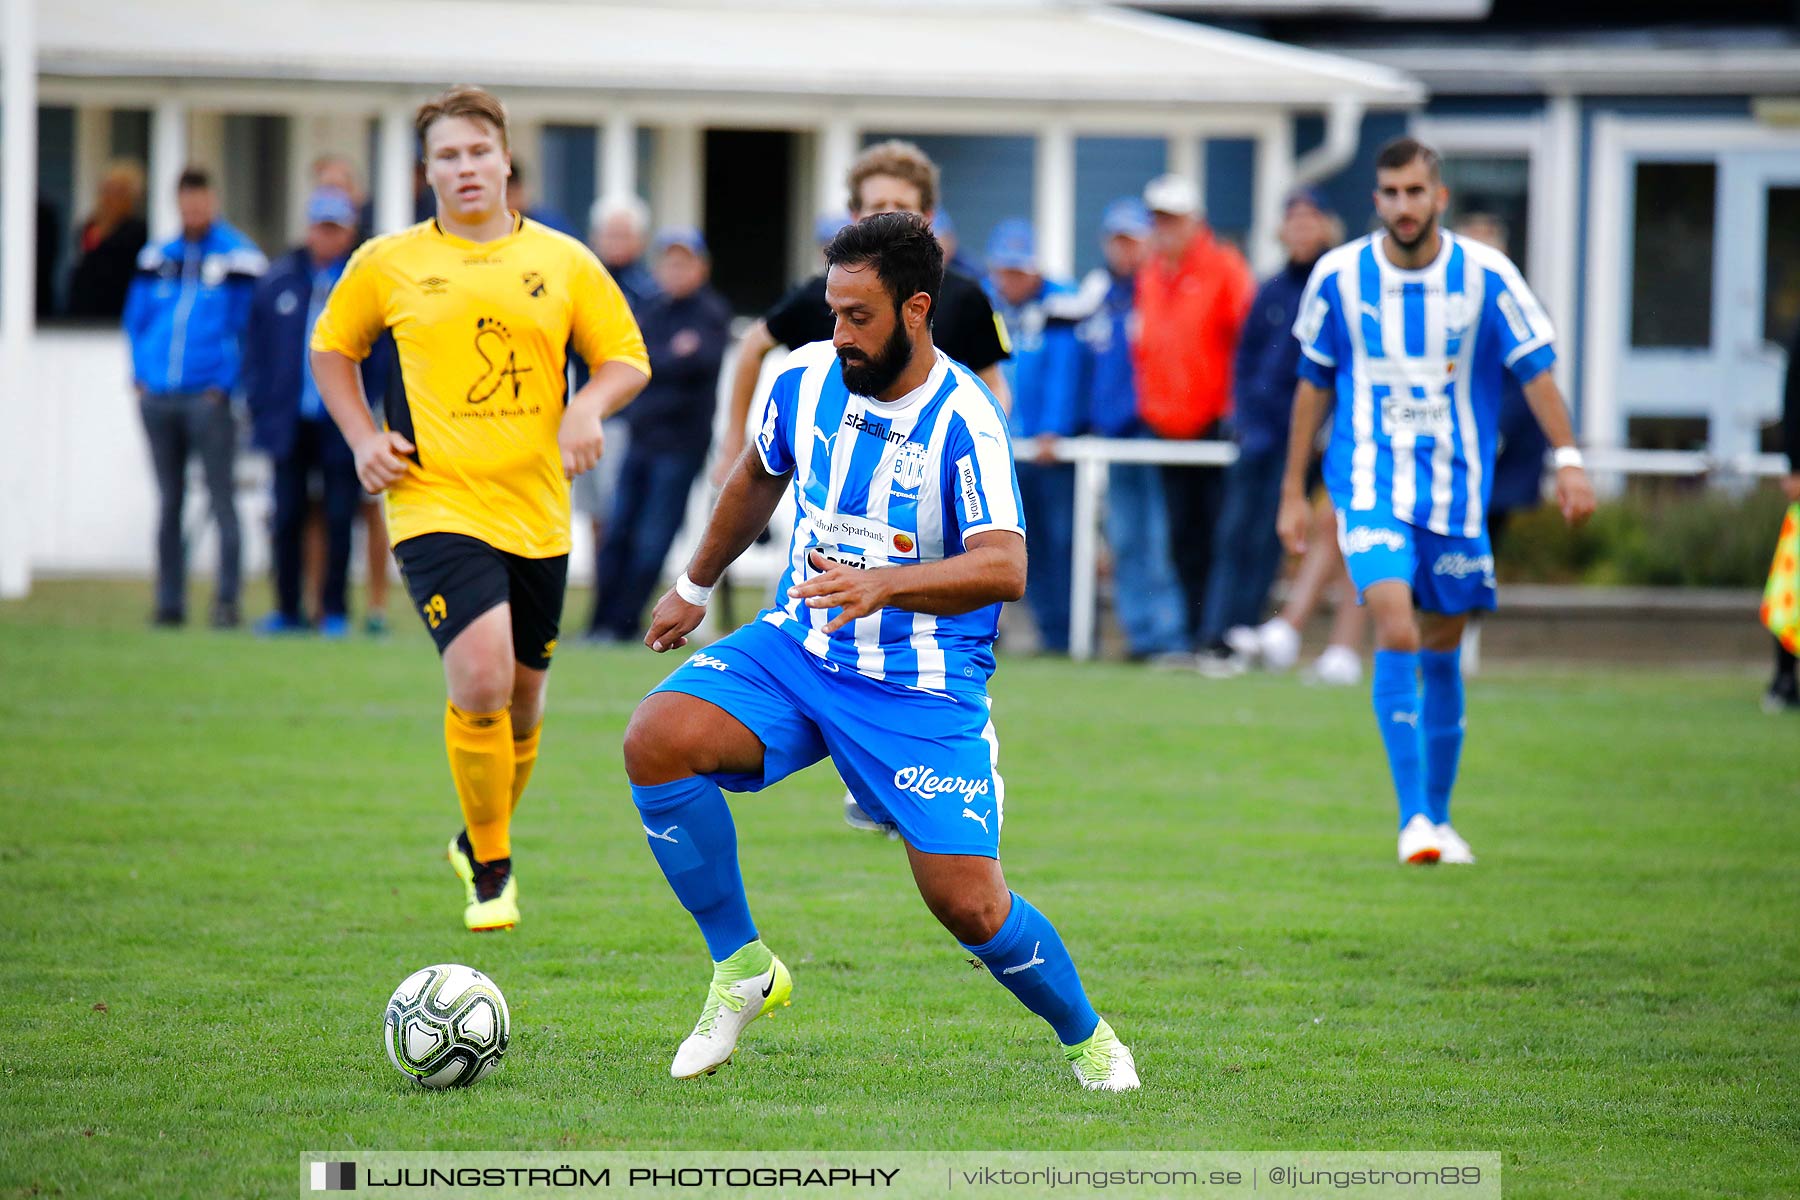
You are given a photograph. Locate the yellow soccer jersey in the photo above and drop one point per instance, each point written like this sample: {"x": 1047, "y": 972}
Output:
{"x": 482, "y": 330}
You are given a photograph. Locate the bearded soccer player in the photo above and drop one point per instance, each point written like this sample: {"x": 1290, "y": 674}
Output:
{"x": 876, "y": 652}
{"x": 481, "y": 443}
{"x": 1411, "y": 332}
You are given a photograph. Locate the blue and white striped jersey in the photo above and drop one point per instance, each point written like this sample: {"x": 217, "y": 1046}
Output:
{"x": 1418, "y": 362}
{"x": 890, "y": 485}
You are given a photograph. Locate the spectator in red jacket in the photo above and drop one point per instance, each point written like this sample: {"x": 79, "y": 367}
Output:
{"x": 1193, "y": 294}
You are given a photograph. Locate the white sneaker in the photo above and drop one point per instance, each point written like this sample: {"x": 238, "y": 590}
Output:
{"x": 856, "y": 818}
{"x": 1244, "y": 642}
{"x": 1218, "y": 664}
{"x": 1336, "y": 666}
{"x": 1279, "y": 644}
{"x": 1452, "y": 849}
{"x": 729, "y": 1008}
{"x": 1103, "y": 1063}
{"x": 1419, "y": 842}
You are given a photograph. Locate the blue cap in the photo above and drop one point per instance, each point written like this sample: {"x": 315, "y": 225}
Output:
{"x": 1126, "y": 217}
{"x": 1012, "y": 246}
{"x": 1310, "y": 196}
{"x": 686, "y": 236}
{"x": 331, "y": 206}
{"x": 827, "y": 225}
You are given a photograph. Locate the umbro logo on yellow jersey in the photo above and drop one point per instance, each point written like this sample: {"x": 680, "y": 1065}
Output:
{"x": 433, "y": 285}
{"x": 534, "y": 284}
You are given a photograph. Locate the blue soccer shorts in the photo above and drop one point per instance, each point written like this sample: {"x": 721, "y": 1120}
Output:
{"x": 1447, "y": 575}
{"x": 924, "y": 761}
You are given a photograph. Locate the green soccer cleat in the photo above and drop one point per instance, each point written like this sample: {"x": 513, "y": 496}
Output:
{"x": 1103, "y": 1063}
{"x": 731, "y": 1004}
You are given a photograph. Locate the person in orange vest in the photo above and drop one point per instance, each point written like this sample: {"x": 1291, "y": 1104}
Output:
{"x": 1193, "y": 295}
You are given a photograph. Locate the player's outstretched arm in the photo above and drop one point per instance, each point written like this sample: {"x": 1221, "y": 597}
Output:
{"x": 380, "y": 454}
{"x": 1574, "y": 494}
{"x": 990, "y": 570}
{"x": 743, "y": 511}
{"x": 754, "y": 347}
{"x": 1295, "y": 515}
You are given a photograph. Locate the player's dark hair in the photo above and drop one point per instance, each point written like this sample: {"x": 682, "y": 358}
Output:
{"x": 1404, "y": 150}
{"x": 193, "y": 179}
{"x": 904, "y": 252}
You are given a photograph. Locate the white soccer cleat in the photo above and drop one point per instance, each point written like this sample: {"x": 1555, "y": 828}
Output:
{"x": 1419, "y": 842}
{"x": 730, "y": 1007}
{"x": 1103, "y": 1063}
{"x": 1452, "y": 849}
{"x": 1336, "y": 666}
{"x": 1244, "y": 641}
{"x": 856, "y": 818}
{"x": 1279, "y": 644}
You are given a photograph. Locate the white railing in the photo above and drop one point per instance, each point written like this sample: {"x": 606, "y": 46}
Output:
{"x": 1092, "y": 455}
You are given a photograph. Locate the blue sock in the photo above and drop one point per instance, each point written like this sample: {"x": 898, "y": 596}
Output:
{"x": 691, "y": 833}
{"x": 1048, "y": 985}
{"x": 1397, "y": 715}
{"x": 1441, "y": 723}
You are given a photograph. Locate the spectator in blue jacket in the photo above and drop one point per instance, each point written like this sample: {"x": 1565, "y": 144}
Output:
{"x": 288, "y": 421}
{"x": 1147, "y": 595}
{"x": 1246, "y": 551}
{"x": 184, "y": 316}
{"x": 1044, "y": 376}
{"x": 686, "y": 328}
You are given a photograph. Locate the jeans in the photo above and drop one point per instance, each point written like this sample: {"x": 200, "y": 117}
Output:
{"x": 1246, "y": 551}
{"x": 342, "y": 496}
{"x": 1146, "y": 595}
{"x": 648, "y": 508}
{"x": 1192, "y": 495}
{"x": 180, "y": 424}
{"x": 1048, "y": 495}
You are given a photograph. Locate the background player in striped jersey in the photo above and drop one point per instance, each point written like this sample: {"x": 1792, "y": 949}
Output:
{"x": 908, "y": 536}
{"x": 1411, "y": 332}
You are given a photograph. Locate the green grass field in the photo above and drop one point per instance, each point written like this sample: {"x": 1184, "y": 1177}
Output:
{"x": 223, "y": 853}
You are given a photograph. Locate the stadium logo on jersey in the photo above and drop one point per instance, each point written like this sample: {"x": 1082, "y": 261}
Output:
{"x": 1461, "y": 566}
{"x": 927, "y": 784}
{"x": 433, "y": 285}
{"x": 880, "y": 429}
{"x": 534, "y": 284}
{"x": 909, "y": 468}
{"x": 1364, "y": 538}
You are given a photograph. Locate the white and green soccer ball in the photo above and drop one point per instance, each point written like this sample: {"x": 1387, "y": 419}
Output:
{"x": 446, "y": 1026}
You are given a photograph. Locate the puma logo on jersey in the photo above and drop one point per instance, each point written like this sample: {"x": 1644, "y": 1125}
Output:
{"x": 1026, "y": 966}
{"x": 664, "y": 835}
{"x": 979, "y": 818}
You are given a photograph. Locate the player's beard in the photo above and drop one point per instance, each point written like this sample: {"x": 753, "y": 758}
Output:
{"x": 871, "y": 377}
{"x": 1426, "y": 229}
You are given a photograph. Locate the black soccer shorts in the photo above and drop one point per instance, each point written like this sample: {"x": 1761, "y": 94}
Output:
{"x": 454, "y": 578}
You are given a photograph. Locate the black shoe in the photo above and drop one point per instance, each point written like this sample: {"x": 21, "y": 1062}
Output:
{"x": 1780, "y": 698}
{"x": 168, "y": 618}
{"x": 226, "y": 616}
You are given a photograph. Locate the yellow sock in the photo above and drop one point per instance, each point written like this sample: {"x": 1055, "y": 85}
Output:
{"x": 524, "y": 758}
{"x": 481, "y": 763}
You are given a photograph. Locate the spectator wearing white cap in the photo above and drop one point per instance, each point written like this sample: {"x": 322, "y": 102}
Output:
{"x": 1193, "y": 294}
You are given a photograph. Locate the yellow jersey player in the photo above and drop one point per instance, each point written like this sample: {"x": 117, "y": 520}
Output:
{"x": 480, "y": 445}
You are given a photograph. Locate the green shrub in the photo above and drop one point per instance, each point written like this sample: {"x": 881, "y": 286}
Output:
{"x": 1654, "y": 536}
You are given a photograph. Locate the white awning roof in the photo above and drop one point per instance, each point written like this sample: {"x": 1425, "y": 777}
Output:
{"x": 1054, "y": 54}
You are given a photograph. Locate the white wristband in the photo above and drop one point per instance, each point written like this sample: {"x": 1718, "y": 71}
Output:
{"x": 692, "y": 592}
{"x": 1566, "y": 456}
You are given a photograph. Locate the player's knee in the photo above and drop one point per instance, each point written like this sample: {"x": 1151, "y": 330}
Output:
{"x": 657, "y": 751}
{"x": 1397, "y": 635}
{"x": 482, "y": 685}
{"x": 971, "y": 918}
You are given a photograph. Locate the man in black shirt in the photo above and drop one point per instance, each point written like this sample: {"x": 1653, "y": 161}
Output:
{"x": 889, "y": 177}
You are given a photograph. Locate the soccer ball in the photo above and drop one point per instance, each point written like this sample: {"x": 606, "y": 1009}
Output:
{"x": 446, "y": 1026}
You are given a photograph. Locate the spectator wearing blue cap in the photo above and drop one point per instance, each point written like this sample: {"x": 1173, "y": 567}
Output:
{"x": 686, "y": 328}
{"x": 288, "y": 421}
{"x": 1044, "y": 376}
{"x": 1147, "y": 595}
{"x": 1246, "y": 552}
